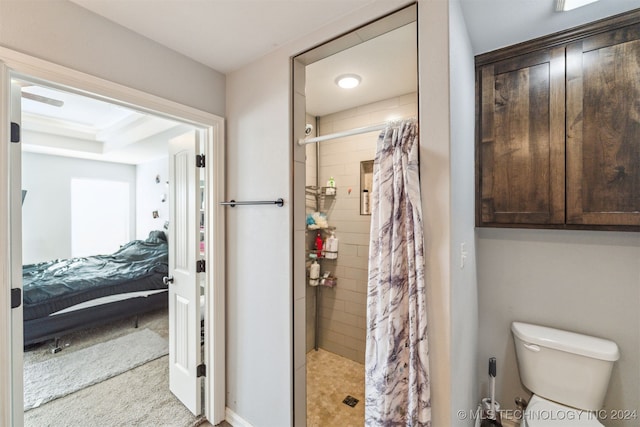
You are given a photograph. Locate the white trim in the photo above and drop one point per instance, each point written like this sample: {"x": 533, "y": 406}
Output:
{"x": 86, "y": 84}
{"x": 236, "y": 420}
{"x": 216, "y": 282}
{"x": 5, "y": 254}
{"x": 15, "y": 222}
{"x": 68, "y": 79}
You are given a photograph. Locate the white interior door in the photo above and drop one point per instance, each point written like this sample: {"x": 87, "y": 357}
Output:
{"x": 184, "y": 290}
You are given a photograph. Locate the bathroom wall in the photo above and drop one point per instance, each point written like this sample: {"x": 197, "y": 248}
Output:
{"x": 583, "y": 281}
{"x": 464, "y": 289}
{"x": 343, "y": 308}
{"x": 67, "y": 34}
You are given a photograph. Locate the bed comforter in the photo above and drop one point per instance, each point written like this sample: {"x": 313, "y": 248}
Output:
{"x": 55, "y": 285}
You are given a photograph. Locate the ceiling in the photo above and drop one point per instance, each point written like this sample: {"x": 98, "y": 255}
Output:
{"x": 228, "y": 34}
{"x": 493, "y": 24}
{"x": 224, "y": 34}
{"x": 387, "y": 65}
{"x": 88, "y": 128}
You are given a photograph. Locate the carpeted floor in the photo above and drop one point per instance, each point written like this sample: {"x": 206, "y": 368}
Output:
{"x": 139, "y": 397}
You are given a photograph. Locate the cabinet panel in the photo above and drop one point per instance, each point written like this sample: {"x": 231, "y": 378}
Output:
{"x": 603, "y": 129}
{"x": 521, "y": 153}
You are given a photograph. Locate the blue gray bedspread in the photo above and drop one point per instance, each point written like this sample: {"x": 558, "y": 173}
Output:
{"x": 55, "y": 285}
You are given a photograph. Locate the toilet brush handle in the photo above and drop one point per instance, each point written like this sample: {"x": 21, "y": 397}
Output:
{"x": 492, "y": 376}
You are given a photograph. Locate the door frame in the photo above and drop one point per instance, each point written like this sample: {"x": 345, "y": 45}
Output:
{"x": 14, "y": 63}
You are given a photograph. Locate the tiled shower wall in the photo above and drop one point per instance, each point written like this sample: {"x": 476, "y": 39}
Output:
{"x": 342, "y": 320}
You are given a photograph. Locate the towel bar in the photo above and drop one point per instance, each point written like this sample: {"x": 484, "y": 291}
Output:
{"x": 279, "y": 202}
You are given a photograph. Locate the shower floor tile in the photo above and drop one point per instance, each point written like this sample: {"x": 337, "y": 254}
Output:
{"x": 330, "y": 379}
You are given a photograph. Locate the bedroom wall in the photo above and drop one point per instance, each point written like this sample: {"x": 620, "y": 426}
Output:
{"x": 46, "y": 213}
{"x": 150, "y": 195}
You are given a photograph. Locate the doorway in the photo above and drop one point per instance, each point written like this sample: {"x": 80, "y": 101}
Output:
{"x": 333, "y": 252}
{"x": 211, "y": 129}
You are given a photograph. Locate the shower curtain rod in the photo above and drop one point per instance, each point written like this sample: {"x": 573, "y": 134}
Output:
{"x": 356, "y": 131}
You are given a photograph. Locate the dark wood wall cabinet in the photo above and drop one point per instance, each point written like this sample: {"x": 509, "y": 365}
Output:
{"x": 558, "y": 130}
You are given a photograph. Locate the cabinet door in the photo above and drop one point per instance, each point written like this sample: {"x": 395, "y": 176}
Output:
{"x": 603, "y": 129}
{"x": 521, "y": 150}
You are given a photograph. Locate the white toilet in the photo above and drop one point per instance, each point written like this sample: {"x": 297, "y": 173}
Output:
{"x": 568, "y": 374}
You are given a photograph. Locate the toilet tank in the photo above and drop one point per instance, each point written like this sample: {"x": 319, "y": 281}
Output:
{"x": 565, "y": 367}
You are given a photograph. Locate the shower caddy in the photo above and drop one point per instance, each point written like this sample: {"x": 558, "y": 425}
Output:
{"x": 319, "y": 195}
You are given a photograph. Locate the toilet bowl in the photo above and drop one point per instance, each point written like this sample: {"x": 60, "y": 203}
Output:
{"x": 541, "y": 412}
{"x": 568, "y": 374}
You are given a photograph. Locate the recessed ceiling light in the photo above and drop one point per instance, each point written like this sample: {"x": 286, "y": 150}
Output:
{"x": 564, "y": 5}
{"x": 348, "y": 81}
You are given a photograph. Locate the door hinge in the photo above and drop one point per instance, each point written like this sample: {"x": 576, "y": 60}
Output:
{"x": 201, "y": 370}
{"x": 200, "y": 160}
{"x": 15, "y": 132}
{"x": 16, "y": 297}
{"x": 200, "y": 266}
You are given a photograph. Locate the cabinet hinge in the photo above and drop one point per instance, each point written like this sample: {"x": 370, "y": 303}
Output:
{"x": 200, "y": 266}
{"x": 200, "y": 160}
{"x": 16, "y": 297}
{"x": 15, "y": 132}
{"x": 201, "y": 370}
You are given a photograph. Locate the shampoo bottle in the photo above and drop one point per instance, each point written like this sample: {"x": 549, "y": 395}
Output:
{"x": 314, "y": 273}
{"x": 331, "y": 247}
{"x": 365, "y": 202}
{"x": 318, "y": 245}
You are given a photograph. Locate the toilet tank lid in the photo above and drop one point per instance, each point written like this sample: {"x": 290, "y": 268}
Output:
{"x": 571, "y": 342}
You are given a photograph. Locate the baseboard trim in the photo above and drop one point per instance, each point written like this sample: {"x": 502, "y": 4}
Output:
{"x": 235, "y": 420}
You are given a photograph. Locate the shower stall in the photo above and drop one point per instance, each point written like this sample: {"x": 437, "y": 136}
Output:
{"x": 340, "y": 129}
{"x": 336, "y": 303}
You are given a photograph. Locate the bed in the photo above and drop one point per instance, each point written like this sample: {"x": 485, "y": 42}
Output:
{"x": 64, "y": 296}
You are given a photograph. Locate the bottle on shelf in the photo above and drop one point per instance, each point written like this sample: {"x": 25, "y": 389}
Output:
{"x": 314, "y": 273}
{"x": 331, "y": 187}
{"x": 365, "y": 202}
{"x": 331, "y": 246}
{"x": 318, "y": 245}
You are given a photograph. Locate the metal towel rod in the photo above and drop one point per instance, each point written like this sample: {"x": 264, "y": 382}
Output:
{"x": 279, "y": 202}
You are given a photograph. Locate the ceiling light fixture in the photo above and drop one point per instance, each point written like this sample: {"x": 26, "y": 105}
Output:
{"x": 348, "y": 81}
{"x": 565, "y": 5}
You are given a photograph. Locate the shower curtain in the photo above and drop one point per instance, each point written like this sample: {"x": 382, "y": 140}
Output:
{"x": 397, "y": 391}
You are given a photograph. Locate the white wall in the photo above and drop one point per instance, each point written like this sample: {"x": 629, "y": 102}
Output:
{"x": 64, "y": 33}
{"x": 46, "y": 213}
{"x": 583, "y": 281}
{"x": 464, "y": 292}
{"x": 259, "y": 356}
{"x": 150, "y": 195}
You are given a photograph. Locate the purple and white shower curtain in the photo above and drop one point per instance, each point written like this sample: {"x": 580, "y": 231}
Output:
{"x": 397, "y": 390}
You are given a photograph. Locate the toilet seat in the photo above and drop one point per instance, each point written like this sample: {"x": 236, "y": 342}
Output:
{"x": 541, "y": 412}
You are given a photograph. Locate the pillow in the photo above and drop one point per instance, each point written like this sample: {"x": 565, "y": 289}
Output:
{"x": 157, "y": 236}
